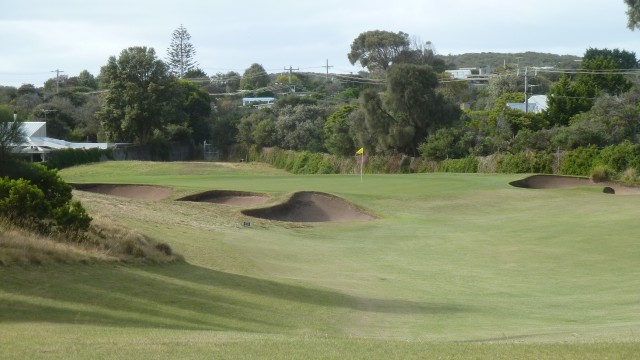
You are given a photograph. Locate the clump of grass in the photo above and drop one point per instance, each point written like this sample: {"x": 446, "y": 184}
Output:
{"x": 602, "y": 173}
{"x": 106, "y": 241}
{"x": 630, "y": 176}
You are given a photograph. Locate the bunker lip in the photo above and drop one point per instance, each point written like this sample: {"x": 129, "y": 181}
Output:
{"x": 309, "y": 206}
{"x": 569, "y": 182}
{"x": 131, "y": 191}
{"x": 228, "y": 197}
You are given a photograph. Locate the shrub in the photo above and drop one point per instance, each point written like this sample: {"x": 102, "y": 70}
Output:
{"x": 466, "y": 165}
{"x": 630, "y": 175}
{"x": 580, "y": 161}
{"x": 602, "y": 173}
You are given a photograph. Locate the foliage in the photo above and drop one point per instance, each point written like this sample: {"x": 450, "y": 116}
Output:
{"x": 42, "y": 204}
{"x": 134, "y": 106}
{"x": 633, "y": 14}
{"x": 376, "y": 50}
{"x": 580, "y": 161}
{"x": 254, "y": 78}
{"x": 64, "y": 158}
{"x": 465, "y": 165}
{"x": 11, "y": 134}
{"x": 602, "y": 173}
{"x": 181, "y": 53}
{"x": 336, "y": 132}
{"x": 301, "y": 128}
{"x": 409, "y": 110}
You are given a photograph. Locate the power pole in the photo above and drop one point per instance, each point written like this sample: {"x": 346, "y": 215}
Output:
{"x": 526, "y": 85}
{"x": 57, "y": 71}
{"x": 291, "y": 71}
{"x": 327, "y": 66}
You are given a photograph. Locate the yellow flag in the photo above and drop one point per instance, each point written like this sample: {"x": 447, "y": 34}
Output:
{"x": 360, "y": 151}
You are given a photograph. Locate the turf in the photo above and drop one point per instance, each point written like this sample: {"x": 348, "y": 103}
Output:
{"x": 455, "y": 266}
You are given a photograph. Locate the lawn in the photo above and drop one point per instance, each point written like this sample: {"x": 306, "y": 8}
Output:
{"x": 455, "y": 266}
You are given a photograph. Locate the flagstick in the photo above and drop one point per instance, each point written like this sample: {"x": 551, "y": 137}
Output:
{"x": 361, "y": 165}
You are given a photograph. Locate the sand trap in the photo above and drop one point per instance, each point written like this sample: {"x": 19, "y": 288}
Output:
{"x": 137, "y": 192}
{"x": 312, "y": 207}
{"x": 236, "y": 198}
{"x": 568, "y": 182}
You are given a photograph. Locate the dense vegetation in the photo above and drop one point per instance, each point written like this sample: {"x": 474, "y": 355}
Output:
{"x": 403, "y": 105}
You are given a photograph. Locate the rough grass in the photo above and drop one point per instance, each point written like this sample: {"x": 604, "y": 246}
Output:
{"x": 457, "y": 266}
{"x": 106, "y": 241}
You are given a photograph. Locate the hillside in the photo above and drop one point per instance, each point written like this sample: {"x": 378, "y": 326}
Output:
{"x": 496, "y": 60}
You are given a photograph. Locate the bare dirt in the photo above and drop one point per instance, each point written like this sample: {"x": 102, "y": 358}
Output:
{"x": 137, "y": 192}
{"x": 311, "y": 207}
{"x": 564, "y": 182}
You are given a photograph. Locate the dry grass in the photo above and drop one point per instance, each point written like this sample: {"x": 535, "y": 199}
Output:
{"x": 106, "y": 241}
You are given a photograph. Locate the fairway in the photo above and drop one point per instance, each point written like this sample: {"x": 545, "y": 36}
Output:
{"x": 452, "y": 265}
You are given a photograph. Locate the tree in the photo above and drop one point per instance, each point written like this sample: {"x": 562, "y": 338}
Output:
{"x": 633, "y": 14}
{"x": 181, "y": 53}
{"x": 417, "y": 108}
{"x": 336, "y": 132}
{"x": 11, "y": 133}
{"x": 377, "y": 50}
{"x": 134, "y": 105}
{"x": 254, "y": 77}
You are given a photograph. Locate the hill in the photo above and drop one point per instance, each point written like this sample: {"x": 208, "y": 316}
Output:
{"x": 496, "y": 60}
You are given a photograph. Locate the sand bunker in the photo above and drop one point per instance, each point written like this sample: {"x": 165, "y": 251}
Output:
{"x": 137, "y": 192}
{"x": 567, "y": 182}
{"x": 312, "y": 207}
{"x": 236, "y": 198}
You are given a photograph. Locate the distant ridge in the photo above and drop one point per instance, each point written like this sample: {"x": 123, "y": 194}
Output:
{"x": 496, "y": 60}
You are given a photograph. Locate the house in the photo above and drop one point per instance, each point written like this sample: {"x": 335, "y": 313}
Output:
{"x": 536, "y": 104}
{"x": 37, "y": 144}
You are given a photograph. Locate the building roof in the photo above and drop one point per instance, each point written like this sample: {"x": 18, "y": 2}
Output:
{"x": 37, "y": 141}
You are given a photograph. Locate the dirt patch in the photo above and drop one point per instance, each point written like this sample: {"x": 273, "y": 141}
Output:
{"x": 235, "y": 198}
{"x": 137, "y": 192}
{"x": 312, "y": 207}
{"x": 568, "y": 182}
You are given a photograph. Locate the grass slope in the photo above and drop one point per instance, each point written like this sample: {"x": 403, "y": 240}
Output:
{"x": 457, "y": 266}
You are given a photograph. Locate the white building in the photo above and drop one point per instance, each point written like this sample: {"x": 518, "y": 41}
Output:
{"x": 38, "y": 144}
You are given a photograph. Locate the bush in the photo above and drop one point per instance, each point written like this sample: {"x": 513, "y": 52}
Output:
{"x": 630, "y": 175}
{"x": 602, "y": 173}
{"x": 466, "y": 165}
{"x": 580, "y": 161}
{"x": 61, "y": 159}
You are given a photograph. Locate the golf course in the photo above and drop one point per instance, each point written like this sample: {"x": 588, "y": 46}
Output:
{"x": 278, "y": 266}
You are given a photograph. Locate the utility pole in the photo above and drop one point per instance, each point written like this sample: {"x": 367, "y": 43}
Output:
{"x": 291, "y": 71}
{"x": 327, "y": 66}
{"x": 526, "y": 86}
{"x": 57, "y": 71}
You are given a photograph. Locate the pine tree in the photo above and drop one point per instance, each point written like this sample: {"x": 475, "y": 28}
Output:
{"x": 181, "y": 52}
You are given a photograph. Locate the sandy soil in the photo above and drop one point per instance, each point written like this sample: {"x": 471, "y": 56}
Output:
{"x": 558, "y": 182}
{"x": 138, "y": 192}
{"x": 235, "y": 198}
{"x": 312, "y": 207}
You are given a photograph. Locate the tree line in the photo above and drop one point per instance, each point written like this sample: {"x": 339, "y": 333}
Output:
{"x": 404, "y": 103}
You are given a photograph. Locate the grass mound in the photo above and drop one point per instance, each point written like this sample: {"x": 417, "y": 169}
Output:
{"x": 308, "y": 206}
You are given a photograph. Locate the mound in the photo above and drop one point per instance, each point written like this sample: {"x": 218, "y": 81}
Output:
{"x": 137, "y": 192}
{"x": 559, "y": 182}
{"x": 311, "y": 207}
{"x": 237, "y": 198}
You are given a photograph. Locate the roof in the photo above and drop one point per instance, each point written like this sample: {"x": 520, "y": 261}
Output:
{"x": 38, "y": 142}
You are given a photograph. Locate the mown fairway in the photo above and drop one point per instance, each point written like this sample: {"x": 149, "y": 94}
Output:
{"x": 456, "y": 266}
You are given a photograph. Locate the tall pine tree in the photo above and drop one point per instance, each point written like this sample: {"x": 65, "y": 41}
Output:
{"x": 181, "y": 53}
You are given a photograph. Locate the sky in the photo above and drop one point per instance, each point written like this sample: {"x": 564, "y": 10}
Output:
{"x": 39, "y": 37}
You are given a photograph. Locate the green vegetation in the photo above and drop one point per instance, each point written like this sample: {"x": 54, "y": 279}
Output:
{"x": 457, "y": 266}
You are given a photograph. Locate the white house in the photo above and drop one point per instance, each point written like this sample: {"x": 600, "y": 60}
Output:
{"x": 537, "y": 104}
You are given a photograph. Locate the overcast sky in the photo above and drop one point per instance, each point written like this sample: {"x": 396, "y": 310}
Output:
{"x": 73, "y": 35}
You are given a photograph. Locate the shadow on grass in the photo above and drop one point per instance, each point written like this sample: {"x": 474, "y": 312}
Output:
{"x": 179, "y": 296}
